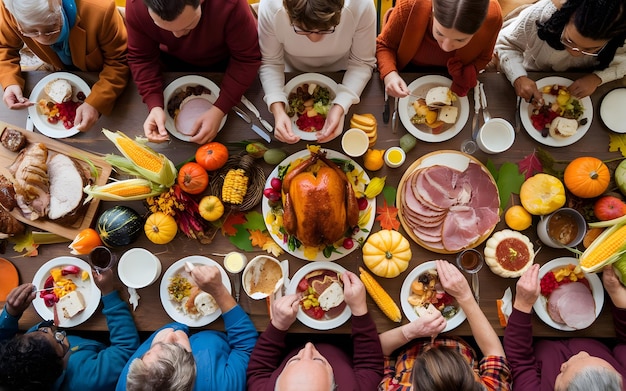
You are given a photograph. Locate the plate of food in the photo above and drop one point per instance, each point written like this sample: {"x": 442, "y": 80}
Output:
{"x": 432, "y": 112}
{"x": 186, "y": 98}
{"x": 183, "y": 300}
{"x": 70, "y": 290}
{"x": 309, "y": 97}
{"x": 422, "y": 292}
{"x": 56, "y": 98}
{"x": 562, "y": 120}
{"x": 322, "y": 306}
{"x": 321, "y": 225}
{"x": 612, "y": 110}
{"x": 570, "y": 299}
{"x": 448, "y": 202}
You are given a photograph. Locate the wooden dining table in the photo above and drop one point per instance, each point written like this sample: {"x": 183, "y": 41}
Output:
{"x": 130, "y": 113}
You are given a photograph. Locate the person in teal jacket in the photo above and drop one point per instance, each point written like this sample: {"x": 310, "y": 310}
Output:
{"x": 45, "y": 358}
{"x": 175, "y": 360}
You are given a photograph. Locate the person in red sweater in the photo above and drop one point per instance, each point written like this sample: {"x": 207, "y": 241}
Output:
{"x": 567, "y": 364}
{"x": 458, "y": 35}
{"x": 322, "y": 366}
{"x": 191, "y": 36}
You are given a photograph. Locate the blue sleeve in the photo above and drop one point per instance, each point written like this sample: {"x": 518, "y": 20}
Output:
{"x": 8, "y": 325}
{"x": 121, "y": 383}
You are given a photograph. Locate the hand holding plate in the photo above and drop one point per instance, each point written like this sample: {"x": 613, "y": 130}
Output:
{"x": 527, "y": 289}
{"x": 333, "y": 126}
{"x": 284, "y": 311}
{"x": 19, "y": 299}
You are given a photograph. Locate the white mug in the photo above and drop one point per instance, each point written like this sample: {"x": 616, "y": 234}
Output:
{"x": 553, "y": 222}
{"x": 495, "y": 136}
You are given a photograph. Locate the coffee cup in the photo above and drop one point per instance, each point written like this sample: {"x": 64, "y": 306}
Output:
{"x": 565, "y": 227}
{"x": 138, "y": 268}
{"x": 495, "y": 136}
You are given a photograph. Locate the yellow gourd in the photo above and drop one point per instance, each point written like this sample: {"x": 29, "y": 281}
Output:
{"x": 160, "y": 228}
{"x": 387, "y": 253}
{"x": 542, "y": 194}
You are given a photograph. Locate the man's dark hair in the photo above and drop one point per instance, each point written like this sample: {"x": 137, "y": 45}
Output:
{"x": 29, "y": 363}
{"x": 169, "y": 10}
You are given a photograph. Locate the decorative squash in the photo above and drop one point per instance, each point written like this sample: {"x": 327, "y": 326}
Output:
{"x": 85, "y": 241}
{"x": 119, "y": 226}
{"x": 193, "y": 178}
{"x": 542, "y": 194}
{"x": 387, "y": 253}
{"x": 160, "y": 228}
{"x": 212, "y": 156}
{"x": 509, "y": 253}
{"x": 587, "y": 177}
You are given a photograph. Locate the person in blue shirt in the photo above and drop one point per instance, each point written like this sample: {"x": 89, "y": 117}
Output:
{"x": 46, "y": 358}
{"x": 172, "y": 359}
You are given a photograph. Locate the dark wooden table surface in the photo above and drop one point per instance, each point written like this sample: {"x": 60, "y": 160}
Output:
{"x": 130, "y": 112}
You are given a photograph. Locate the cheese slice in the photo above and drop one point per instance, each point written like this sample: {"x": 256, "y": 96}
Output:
{"x": 70, "y": 305}
{"x": 448, "y": 114}
{"x": 331, "y": 297}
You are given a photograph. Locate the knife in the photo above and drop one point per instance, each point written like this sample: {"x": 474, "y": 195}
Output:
{"x": 242, "y": 114}
{"x": 477, "y": 105}
{"x": 255, "y": 111}
{"x": 394, "y": 117}
{"x": 518, "y": 115}
{"x": 386, "y": 111}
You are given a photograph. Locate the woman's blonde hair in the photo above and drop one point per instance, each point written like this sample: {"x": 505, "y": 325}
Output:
{"x": 441, "y": 368}
{"x": 314, "y": 14}
{"x": 33, "y": 14}
{"x": 175, "y": 370}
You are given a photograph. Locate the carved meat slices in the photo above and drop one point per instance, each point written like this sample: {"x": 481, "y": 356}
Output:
{"x": 32, "y": 185}
{"x": 448, "y": 209}
{"x": 572, "y": 304}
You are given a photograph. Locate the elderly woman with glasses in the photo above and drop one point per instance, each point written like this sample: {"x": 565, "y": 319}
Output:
{"x": 86, "y": 35}
{"x": 316, "y": 36}
{"x": 555, "y": 36}
{"x": 46, "y": 358}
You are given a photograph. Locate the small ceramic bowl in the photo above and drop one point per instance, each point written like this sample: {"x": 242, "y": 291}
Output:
{"x": 395, "y": 157}
{"x": 355, "y": 142}
{"x": 260, "y": 279}
{"x": 138, "y": 268}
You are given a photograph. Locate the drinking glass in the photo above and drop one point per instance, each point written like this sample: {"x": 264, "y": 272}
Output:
{"x": 101, "y": 259}
{"x": 471, "y": 261}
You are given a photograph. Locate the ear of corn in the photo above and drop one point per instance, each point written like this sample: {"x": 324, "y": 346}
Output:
{"x": 235, "y": 186}
{"x": 126, "y": 190}
{"x": 606, "y": 249}
{"x": 140, "y": 160}
{"x": 380, "y": 296}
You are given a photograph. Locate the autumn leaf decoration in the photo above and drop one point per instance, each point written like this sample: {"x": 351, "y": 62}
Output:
{"x": 248, "y": 230}
{"x": 388, "y": 216}
{"x": 530, "y": 165}
{"x": 617, "y": 142}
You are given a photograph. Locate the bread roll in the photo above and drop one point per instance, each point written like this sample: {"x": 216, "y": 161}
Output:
{"x": 59, "y": 90}
{"x": 563, "y": 127}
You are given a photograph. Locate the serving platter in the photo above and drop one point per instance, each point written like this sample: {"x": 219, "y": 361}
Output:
{"x": 405, "y": 292}
{"x": 526, "y": 110}
{"x": 169, "y": 306}
{"x": 612, "y": 110}
{"x": 294, "y": 83}
{"x": 89, "y": 290}
{"x": 180, "y": 84}
{"x": 540, "y": 305}
{"x": 104, "y": 171}
{"x": 40, "y": 120}
{"x": 419, "y": 87}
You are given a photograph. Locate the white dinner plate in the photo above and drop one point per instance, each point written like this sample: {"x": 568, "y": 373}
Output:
{"x": 306, "y": 319}
{"x": 89, "y": 290}
{"x": 180, "y": 84}
{"x": 40, "y": 120}
{"x": 612, "y": 110}
{"x": 526, "y": 111}
{"x": 594, "y": 282}
{"x": 318, "y": 79}
{"x": 340, "y": 251}
{"x": 179, "y": 268}
{"x": 405, "y": 291}
{"x": 420, "y": 87}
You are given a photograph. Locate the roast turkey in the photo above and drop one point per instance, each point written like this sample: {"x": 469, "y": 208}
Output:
{"x": 32, "y": 185}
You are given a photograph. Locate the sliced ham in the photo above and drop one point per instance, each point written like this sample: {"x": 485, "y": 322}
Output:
{"x": 577, "y": 307}
{"x": 191, "y": 108}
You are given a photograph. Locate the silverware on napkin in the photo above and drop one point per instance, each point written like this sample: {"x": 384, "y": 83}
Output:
{"x": 257, "y": 114}
{"x": 242, "y": 114}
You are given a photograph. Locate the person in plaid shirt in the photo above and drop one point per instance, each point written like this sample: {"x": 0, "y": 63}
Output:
{"x": 416, "y": 360}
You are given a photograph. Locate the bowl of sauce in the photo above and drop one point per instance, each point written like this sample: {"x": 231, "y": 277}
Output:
{"x": 565, "y": 227}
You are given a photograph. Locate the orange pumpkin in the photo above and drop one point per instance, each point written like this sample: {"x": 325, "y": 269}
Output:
{"x": 193, "y": 178}
{"x": 587, "y": 177}
{"x": 212, "y": 156}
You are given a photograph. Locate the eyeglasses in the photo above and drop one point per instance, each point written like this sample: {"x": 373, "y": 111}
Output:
{"x": 59, "y": 336}
{"x": 36, "y": 34}
{"x": 572, "y": 46}
{"x": 300, "y": 31}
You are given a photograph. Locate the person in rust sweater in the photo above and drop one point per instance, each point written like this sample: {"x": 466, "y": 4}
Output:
{"x": 322, "y": 366}
{"x": 456, "y": 35}
{"x": 191, "y": 36}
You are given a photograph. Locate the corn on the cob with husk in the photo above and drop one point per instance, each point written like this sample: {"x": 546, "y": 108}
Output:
{"x": 140, "y": 160}
{"x": 126, "y": 190}
{"x": 605, "y": 249}
{"x": 380, "y": 296}
{"x": 235, "y": 186}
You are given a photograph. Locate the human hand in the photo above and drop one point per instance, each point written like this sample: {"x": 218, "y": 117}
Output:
{"x": 19, "y": 299}
{"x": 208, "y": 124}
{"x": 282, "y": 124}
{"x": 104, "y": 281}
{"x": 208, "y": 278}
{"x": 354, "y": 293}
{"x": 395, "y": 85}
{"x": 527, "y": 89}
{"x": 284, "y": 311}
{"x": 614, "y": 287}
{"x": 86, "y": 116}
{"x": 527, "y": 289}
{"x": 154, "y": 126}
{"x": 332, "y": 126}
{"x": 428, "y": 325}
{"x": 584, "y": 86}
{"x": 14, "y": 99}
{"x": 453, "y": 281}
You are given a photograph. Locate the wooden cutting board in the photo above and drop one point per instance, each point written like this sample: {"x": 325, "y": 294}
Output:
{"x": 104, "y": 171}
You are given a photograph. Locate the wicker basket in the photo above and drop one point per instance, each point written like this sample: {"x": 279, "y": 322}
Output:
{"x": 256, "y": 182}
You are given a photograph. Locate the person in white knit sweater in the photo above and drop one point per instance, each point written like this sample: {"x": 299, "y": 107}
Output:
{"x": 316, "y": 36}
{"x": 570, "y": 36}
